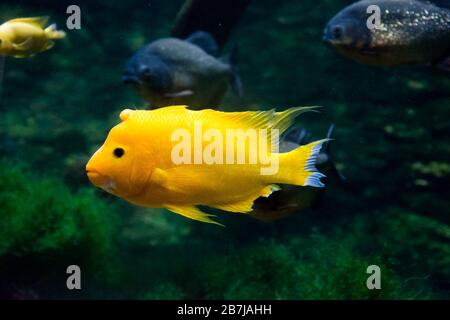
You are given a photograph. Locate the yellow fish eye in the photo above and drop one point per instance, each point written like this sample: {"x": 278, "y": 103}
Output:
{"x": 118, "y": 152}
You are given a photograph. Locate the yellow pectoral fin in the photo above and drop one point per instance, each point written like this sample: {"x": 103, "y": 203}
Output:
{"x": 184, "y": 180}
{"x": 161, "y": 178}
{"x": 192, "y": 212}
{"x": 246, "y": 205}
{"x": 37, "y": 21}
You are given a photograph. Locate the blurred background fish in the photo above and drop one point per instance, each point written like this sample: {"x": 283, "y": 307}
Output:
{"x": 292, "y": 199}
{"x": 172, "y": 71}
{"x": 410, "y": 32}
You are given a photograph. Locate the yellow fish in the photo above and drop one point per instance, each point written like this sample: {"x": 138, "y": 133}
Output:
{"x": 23, "y": 37}
{"x": 176, "y": 158}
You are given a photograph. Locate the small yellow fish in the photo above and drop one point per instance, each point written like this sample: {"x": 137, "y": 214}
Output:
{"x": 176, "y": 158}
{"x": 23, "y": 37}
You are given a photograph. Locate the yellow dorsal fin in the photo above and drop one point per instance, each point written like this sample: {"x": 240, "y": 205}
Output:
{"x": 264, "y": 119}
{"x": 240, "y": 207}
{"x": 170, "y": 108}
{"x": 245, "y": 119}
{"x": 142, "y": 114}
{"x": 38, "y": 21}
{"x": 164, "y": 110}
{"x": 192, "y": 212}
{"x": 283, "y": 120}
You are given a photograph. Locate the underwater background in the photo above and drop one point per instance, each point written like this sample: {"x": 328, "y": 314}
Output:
{"x": 391, "y": 141}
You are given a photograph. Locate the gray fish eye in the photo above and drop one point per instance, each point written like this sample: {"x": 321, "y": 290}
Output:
{"x": 337, "y": 32}
{"x": 144, "y": 70}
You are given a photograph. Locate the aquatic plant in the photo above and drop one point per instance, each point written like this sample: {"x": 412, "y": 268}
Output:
{"x": 165, "y": 291}
{"x": 418, "y": 243}
{"x": 44, "y": 228}
{"x": 315, "y": 267}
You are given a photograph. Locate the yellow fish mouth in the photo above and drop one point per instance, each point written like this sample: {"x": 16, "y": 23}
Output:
{"x": 101, "y": 181}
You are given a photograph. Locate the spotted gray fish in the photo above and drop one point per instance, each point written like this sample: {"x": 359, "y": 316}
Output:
{"x": 410, "y": 32}
{"x": 172, "y": 71}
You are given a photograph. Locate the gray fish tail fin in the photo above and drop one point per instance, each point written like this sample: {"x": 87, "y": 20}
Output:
{"x": 326, "y": 150}
{"x": 297, "y": 135}
{"x": 326, "y": 146}
{"x": 236, "y": 83}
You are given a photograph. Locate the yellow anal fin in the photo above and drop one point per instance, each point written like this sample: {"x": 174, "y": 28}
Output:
{"x": 49, "y": 45}
{"x": 268, "y": 190}
{"x": 38, "y": 21}
{"x": 250, "y": 119}
{"x": 246, "y": 205}
{"x": 240, "y": 207}
{"x": 192, "y": 212}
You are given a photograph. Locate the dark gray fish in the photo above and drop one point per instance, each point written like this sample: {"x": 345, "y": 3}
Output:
{"x": 171, "y": 71}
{"x": 291, "y": 199}
{"x": 411, "y": 32}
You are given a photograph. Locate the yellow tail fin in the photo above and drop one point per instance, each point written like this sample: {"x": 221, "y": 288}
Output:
{"x": 298, "y": 167}
{"x": 53, "y": 34}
